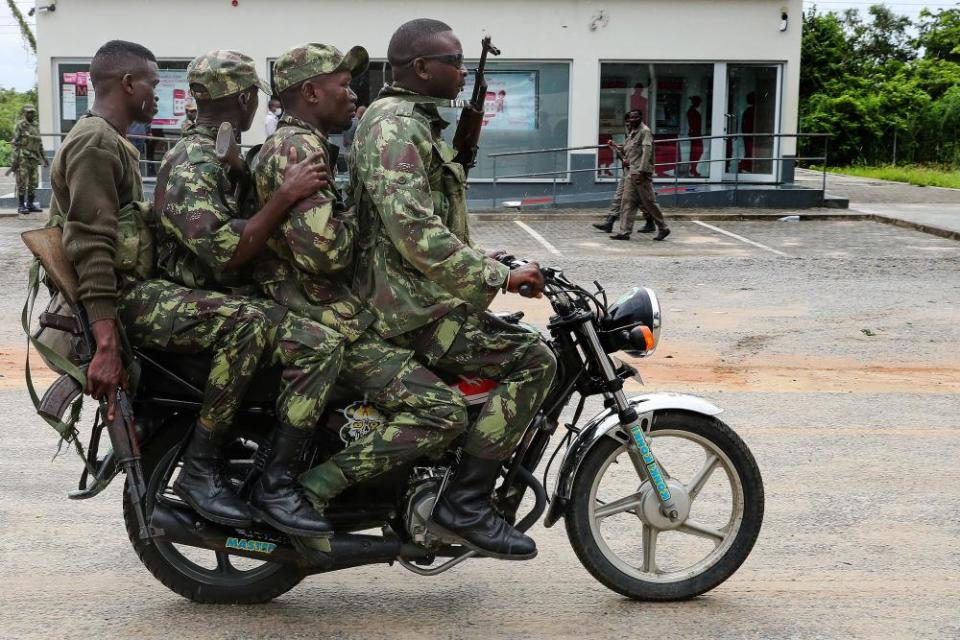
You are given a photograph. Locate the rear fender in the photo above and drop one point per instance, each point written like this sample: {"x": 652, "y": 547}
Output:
{"x": 606, "y": 424}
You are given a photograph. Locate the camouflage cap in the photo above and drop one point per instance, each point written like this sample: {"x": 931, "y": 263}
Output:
{"x": 223, "y": 73}
{"x": 27, "y": 107}
{"x": 314, "y": 59}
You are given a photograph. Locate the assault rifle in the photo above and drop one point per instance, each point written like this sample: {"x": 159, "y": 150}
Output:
{"x": 467, "y": 138}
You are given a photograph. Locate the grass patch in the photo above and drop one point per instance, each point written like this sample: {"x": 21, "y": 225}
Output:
{"x": 917, "y": 175}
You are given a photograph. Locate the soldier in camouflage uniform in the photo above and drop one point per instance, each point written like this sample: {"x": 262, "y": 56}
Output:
{"x": 98, "y": 192}
{"x": 190, "y": 118}
{"x": 207, "y": 243}
{"x": 26, "y": 154}
{"x": 429, "y": 286}
{"x": 316, "y": 243}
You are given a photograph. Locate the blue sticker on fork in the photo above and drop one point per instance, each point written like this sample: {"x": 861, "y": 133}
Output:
{"x": 656, "y": 476}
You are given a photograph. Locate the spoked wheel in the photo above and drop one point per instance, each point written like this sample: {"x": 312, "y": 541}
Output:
{"x": 618, "y": 531}
{"x": 203, "y": 575}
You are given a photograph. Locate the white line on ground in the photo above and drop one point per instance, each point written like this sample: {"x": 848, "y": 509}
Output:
{"x": 742, "y": 239}
{"x": 539, "y": 238}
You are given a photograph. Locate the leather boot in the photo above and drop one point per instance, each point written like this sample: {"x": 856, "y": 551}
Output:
{"x": 31, "y": 204}
{"x": 648, "y": 228}
{"x": 606, "y": 227}
{"x": 464, "y": 510}
{"x": 620, "y": 236}
{"x": 201, "y": 483}
{"x": 21, "y": 204}
{"x": 663, "y": 234}
{"x": 277, "y": 498}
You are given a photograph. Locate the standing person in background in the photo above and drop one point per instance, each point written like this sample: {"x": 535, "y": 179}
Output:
{"x": 27, "y": 154}
{"x": 190, "y": 119}
{"x": 274, "y": 110}
{"x": 638, "y": 188}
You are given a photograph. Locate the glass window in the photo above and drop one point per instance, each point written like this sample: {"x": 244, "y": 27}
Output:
{"x": 527, "y": 107}
{"x": 676, "y": 101}
{"x": 76, "y": 95}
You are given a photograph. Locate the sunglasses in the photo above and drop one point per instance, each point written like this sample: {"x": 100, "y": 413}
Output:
{"x": 453, "y": 59}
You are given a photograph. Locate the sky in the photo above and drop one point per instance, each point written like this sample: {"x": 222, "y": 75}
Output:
{"x": 18, "y": 65}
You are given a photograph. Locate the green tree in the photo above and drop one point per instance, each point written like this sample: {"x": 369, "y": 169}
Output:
{"x": 11, "y": 101}
{"x": 940, "y": 34}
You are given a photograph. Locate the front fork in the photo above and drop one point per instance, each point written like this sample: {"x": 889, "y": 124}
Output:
{"x": 637, "y": 442}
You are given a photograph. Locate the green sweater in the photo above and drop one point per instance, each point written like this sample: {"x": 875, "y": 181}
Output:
{"x": 95, "y": 173}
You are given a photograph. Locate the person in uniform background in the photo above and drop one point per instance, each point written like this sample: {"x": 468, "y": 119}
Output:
{"x": 274, "y": 109}
{"x": 638, "y": 189}
{"x": 638, "y": 100}
{"x": 421, "y": 414}
{"x": 694, "y": 129}
{"x": 208, "y": 242}
{"x": 617, "y": 203}
{"x": 190, "y": 118}
{"x": 428, "y": 284}
{"x": 26, "y": 154}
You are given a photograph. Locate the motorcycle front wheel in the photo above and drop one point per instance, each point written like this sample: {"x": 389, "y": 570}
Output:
{"x": 622, "y": 538}
{"x": 202, "y": 575}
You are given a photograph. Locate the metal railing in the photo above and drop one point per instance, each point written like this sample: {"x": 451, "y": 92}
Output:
{"x": 737, "y": 159}
{"x": 168, "y": 141}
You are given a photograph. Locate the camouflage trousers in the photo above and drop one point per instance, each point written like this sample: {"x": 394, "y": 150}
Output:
{"x": 482, "y": 345}
{"x": 242, "y": 334}
{"x": 422, "y": 415}
{"x": 26, "y": 176}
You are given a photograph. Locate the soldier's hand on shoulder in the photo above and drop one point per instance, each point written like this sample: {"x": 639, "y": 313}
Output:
{"x": 304, "y": 178}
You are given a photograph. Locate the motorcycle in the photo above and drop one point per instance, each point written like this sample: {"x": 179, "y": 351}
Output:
{"x": 661, "y": 500}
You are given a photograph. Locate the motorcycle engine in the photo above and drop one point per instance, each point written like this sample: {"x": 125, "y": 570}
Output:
{"x": 424, "y": 487}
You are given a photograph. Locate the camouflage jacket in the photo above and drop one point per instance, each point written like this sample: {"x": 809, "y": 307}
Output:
{"x": 416, "y": 263}
{"x": 26, "y": 143}
{"x": 200, "y": 219}
{"x": 316, "y": 241}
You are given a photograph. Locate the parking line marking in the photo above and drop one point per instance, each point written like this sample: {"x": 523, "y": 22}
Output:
{"x": 742, "y": 239}
{"x": 539, "y": 238}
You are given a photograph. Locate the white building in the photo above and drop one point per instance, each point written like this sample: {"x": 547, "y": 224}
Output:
{"x": 569, "y": 71}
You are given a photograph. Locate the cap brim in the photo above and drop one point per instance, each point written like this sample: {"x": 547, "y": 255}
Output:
{"x": 357, "y": 61}
{"x": 263, "y": 86}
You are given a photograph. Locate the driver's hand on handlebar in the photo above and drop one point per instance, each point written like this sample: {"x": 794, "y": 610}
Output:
{"x": 529, "y": 275}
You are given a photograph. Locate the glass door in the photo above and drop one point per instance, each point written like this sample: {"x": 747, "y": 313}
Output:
{"x": 753, "y": 107}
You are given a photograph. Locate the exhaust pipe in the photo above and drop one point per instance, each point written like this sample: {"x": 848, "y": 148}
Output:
{"x": 180, "y": 525}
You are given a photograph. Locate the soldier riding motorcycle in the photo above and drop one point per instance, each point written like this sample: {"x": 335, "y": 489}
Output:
{"x": 661, "y": 500}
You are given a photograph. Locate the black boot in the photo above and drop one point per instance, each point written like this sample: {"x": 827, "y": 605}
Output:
{"x": 620, "y": 236}
{"x": 31, "y": 204}
{"x": 606, "y": 227}
{"x": 464, "y": 510}
{"x": 648, "y": 228}
{"x": 201, "y": 483}
{"x": 663, "y": 234}
{"x": 278, "y": 498}
{"x": 21, "y": 204}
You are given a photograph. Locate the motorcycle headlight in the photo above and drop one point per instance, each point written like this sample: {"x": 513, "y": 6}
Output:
{"x": 633, "y": 324}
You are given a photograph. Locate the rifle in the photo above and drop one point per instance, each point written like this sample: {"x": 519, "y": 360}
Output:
{"x": 467, "y": 138}
{"x": 228, "y": 151}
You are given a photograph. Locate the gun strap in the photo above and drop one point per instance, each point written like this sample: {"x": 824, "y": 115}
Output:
{"x": 66, "y": 429}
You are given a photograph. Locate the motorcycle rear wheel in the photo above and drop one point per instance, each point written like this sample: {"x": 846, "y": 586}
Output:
{"x": 225, "y": 583}
{"x": 626, "y": 559}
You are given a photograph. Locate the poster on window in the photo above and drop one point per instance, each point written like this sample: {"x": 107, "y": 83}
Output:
{"x": 511, "y": 100}
{"x": 173, "y": 92}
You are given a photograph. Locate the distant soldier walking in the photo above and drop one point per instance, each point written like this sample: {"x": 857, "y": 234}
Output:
{"x": 638, "y": 186}
{"x": 27, "y": 154}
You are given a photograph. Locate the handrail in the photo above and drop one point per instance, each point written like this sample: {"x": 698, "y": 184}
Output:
{"x": 736, "y": 159}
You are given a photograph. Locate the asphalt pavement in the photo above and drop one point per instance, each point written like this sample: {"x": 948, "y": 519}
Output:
{"x": 831, "y": 346}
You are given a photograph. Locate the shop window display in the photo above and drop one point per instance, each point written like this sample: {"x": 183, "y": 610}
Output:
{"x": 527, "y": 106}
{"x": 676, "y": 101}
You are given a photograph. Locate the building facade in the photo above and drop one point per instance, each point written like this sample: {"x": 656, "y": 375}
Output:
{"x": 568, "y": 73}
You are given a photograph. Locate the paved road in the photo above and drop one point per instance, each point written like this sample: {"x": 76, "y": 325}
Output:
{"x": 857, "y": 435}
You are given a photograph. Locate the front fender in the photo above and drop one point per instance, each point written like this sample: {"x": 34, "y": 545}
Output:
{"x": 607, "y": 424}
